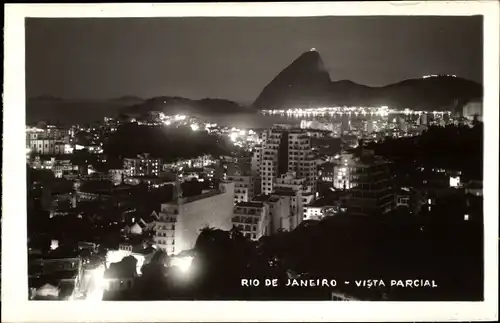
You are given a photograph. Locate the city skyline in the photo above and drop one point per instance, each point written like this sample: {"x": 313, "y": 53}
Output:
{"x": 83, "y": 55}
{"x": 195, "y": 153}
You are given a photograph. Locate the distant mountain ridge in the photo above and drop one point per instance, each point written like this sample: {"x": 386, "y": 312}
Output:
{"x": 179, "y": 105}
{"x": 305, "y": 83}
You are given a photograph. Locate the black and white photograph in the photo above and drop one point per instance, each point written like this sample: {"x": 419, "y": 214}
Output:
{"x": 325, "y": 158}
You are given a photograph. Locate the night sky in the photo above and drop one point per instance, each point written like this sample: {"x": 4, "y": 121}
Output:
{"x": 234, "y": 58}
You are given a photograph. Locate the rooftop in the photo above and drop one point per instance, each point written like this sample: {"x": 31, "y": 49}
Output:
{"x": 250, "y": 204}
{"x": 322, "y": 202}
{"x": 261, "y": 198}
{"x": 204, "y": 195}
{"x": 284, "y": 193}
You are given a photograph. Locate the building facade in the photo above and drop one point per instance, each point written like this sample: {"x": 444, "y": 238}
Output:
{"x": 285, "y": 149}
{"x": 180, "y": 221}
{"x": 47, "y": 147}
{"x": 252, "y": 219}
{"x": 142, "y": 165}
{"x": 243, "y": 187}
{"x": 290, "y": 180}
{"x": 370, "y": 187}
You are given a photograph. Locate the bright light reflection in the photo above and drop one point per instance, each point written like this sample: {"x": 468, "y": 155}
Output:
{"x": 183, "y": 263}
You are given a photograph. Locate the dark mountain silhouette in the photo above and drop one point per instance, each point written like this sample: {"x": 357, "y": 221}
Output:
{"x": 51, "y": 110}
{"x": 306, "y": 83}
{"x": 177, "y": 105}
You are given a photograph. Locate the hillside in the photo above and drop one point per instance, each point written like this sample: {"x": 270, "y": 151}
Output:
{"x": 305, "y": 83}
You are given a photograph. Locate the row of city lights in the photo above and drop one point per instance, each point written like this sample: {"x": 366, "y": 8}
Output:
{"x": 379, "y": 111}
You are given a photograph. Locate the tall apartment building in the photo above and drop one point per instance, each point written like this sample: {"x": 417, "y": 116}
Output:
{"x": 180, "y": 221}
{"x": 142, "y": 165}
{"x": 285, "y": 149}
{"x": 367, "y": 178}
{"x": 256, "y": 161}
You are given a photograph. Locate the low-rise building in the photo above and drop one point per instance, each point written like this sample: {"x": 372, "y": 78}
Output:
{"x": 320, "y": 209}
{"x": 252, "y": 219}
{"x": 280, "y": 212}
{"x": 142, "y": 165}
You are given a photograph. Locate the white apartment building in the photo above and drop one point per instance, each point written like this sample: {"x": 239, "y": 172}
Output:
{"x": 256, "y": 161}
{"x": 293, "y": 196}
{"x": 180, "y": 221}
{"x": 252, "y": 219}
{"x": 283, "y": 150}
{"x": 243, "y": 187}
{"x": 279, "y": 211}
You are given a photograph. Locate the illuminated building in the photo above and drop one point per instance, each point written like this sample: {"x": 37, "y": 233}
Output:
{"x": 342, "y": 178}
{"x": 180, "y": 221}
{"x": 47, "y": 147}
{"x": 48, "y": 141}
{"x": 285, "y": 149}
{"x": 319, "y": 209}
{"x": 368, "y": 179}
{"x": 252, "y": 219}
{"x": 327, "y": 172}
{"x": 116, "y": 176}
{"x": 142, "y": 165}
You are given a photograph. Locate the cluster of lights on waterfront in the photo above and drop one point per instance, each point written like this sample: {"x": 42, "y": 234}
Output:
{"x": 239, "y": 137}
{"x": 382, "y": 111}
